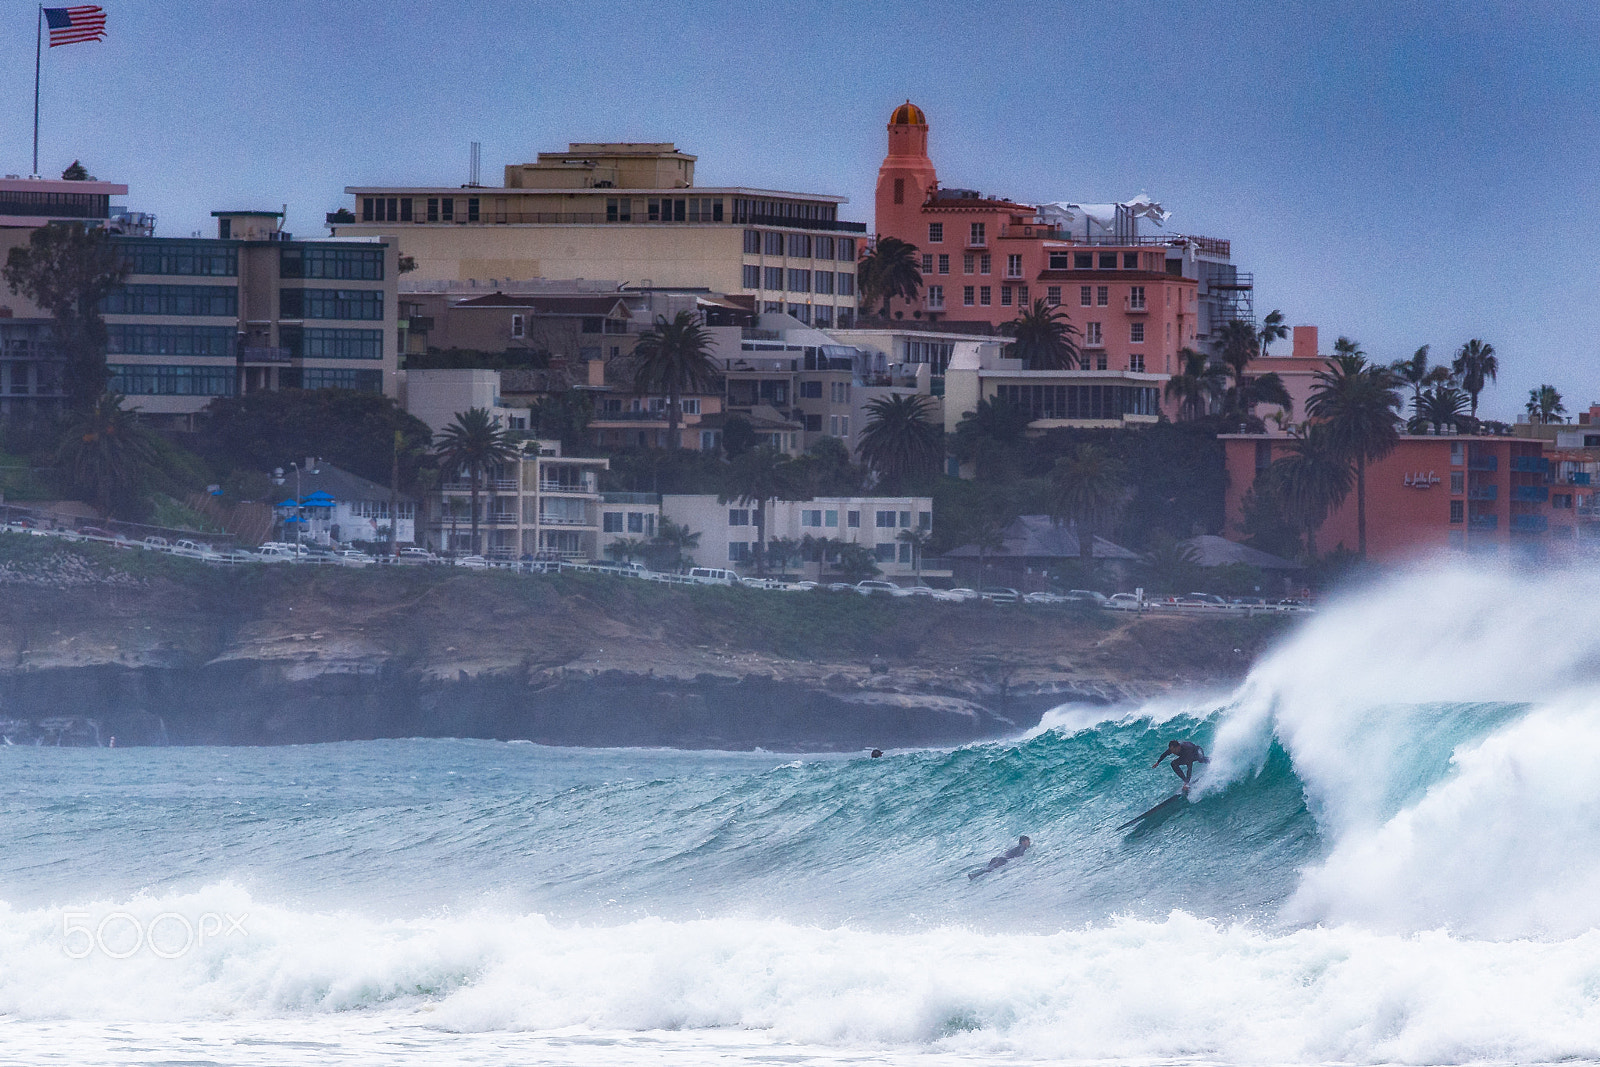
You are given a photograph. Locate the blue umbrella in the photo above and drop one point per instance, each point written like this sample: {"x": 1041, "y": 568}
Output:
{"x": 293, "y": 518}
{"x": 287, "y": 504}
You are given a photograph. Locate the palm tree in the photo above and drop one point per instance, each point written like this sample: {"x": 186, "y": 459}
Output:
{"x": 1476, "y": 365}
{"x": 988, "y": 433}
{"x": 676, "y": 542}
{"x": 990, "y": 536}
{"x": 1416, "y": 373}
{"x": 1311, "y": 481}
{"x": 888, "y": 270}
{"x": 1198, "y": 382}
{"x": 626, "y": 549}
{"x": 1357, "y": 403}
{"x": 106, "y": 452}
{"x": 1442, "y": 406}
{"x": 1086, "y": 488}
{"x": 1544, "y": 405}
{"x": 473, "y": 444}
{"x": 900, "y": 439}
{"x": 1043, "y": 338}
{"x": 1239, "y": 346}
{"x": 783, "y": 551}
{"x": 1272, "y": 329}
{"x": 673, "y": 358}
{"x": 919, "y": 540}
{"x": 755, "y": 478}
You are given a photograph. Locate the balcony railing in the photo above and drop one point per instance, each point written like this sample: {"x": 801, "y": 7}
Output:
{"x": 1483, "y": 522}
{"x": 1579, "y": 478}
{"x": 567, "y": 520}
{"x": 1529, "y": 523}
{"x": 1530, "y": 464}
{"x": 1483, "y": 492}
{"x": 1483, "y": 463}
{"x": 1530, "y": 494}
{"x": 1135, "y": 307}
{"x": 566, "y": 487}
{"x": 262, "y": 354}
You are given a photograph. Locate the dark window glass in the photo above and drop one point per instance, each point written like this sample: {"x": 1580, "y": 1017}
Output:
{"x": 179, "y": 257}
{"x": 144, "y": 340}
{"x": 172, "y": 300}
{"x": 1082, "y": 260}
{"x": 168, "y": 380}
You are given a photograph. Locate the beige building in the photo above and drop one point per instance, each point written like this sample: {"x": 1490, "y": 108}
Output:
{"x": 539, "y": 505}
{"x": 630, "y": 212}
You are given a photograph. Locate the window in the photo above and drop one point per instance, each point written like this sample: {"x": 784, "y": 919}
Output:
{"x": 846, "y": 247}
{"x": 171, "y": 340}
{"x": 173, "y": 300}
{"x": 361, "y": 381}
{"x": 884, "y": 553}
{"x": 1086, "y": 296}
{"x": 166, "y": 380}
{"x": 772, "y": 278}
{"x": 321, "y": 343}
{"x": 1136, "y": 333}
{"x": 1100, "y": 361}
{"x": 516, "y": 326}
{"x": 935, "y": 296}
{"x": 330, "y": 304}
{"x": 1060, "y": 260}
{"x": 1458, "y": 481}
{"x": 1130, "y": 261}
{"x": 944, "y": 263}
{"x": 831, "y": 519}
{"x": 822, "y": 315}
{"x": 983, "y": 263}
{"x": 433, "y": 209}
{"x": 1082, "y": 260}
{"x": 977, "y": 234}
{"x": 1102, "y": 296}
{"x": 824, "y": 247}
{"x": 935, "y": 233}
{"x": 844, "y": 425}
{"x": 166, "y": 256}
{"x": 611, "y": 522}
{"x": 839, "y": 392}
{"x": 984, "y": 296}
{"x": 1136, "y": 363}
{"x": 1005, "y": 296}
{"x": 924, "y": 520}
{"x": 1013, "y": 266}
{"x": 752, "y": 276}
{"x": 927, "y": 262}
{"x": 1022, "y": 295}
{"x": 852, "y": 519}
{"x": 1108, "y": 261}
{"x": 621, "y": 210}
{"x": 447, "y": 209}
{"x": 799, "y": 281}
{"x": 772, "y": 243}
{"x": 800, "y": 246}
{"x": 884, "y": 520}
{"x": 899, "y": 190}
{"x": 833, "y": 425}
{"x": 969, "y": 263}
{"x": 738, "y": 551}
{"x": 967, "y": 296}
{"x": 1458, "y": 510}
{"x": 810, "y": 390}
{"x": 752, "y": 242}
{"x": 1456, "y": 449}
{"x": 813, "y": 424}
{"x": 1091, "y": 333}
{"x": 905, "y": 520}
{"x": 472, "y": 209}
{"x": 705, "y": 209}
{"x": 1263, "y": 455}
{"x": 738, "y": 516}
{"x": 811, "y": 519}
{"x": 1136, "y": 297}
{"x": 635, "y": 520}
{"x": 343, "y": 264}
{"x": 823, "y": 281}
{"x": 690, "y": 406}
{"x": 905, "y": 552}
{"x": 847, "y": 287}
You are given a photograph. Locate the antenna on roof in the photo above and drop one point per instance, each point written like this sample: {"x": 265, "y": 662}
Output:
{"x": 474, "y": 163}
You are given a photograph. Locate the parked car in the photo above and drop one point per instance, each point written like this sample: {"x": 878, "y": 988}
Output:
{"x": 1098, "y": 599}
{"x": 477, "y": 563}
{"x": 1124, "y": 602}
{"x": 841, "y": 587}
{"x": 353, "y": 557}
{"x": 868, "y": 587}
{"x": 1210, "y": 600}
{"x": 917, "y": 590}
{"x": 1045, "y": 598}
{"x": 276, "y": 553}
{"x": 803, "y": 587}
{"x": 715, "y": 576}
{"x": 1252, "y": 602}
{"x": 417, "y": 556}
{"x": 962, "y": 593}
{"x": 1000, "y": 594}
{"x": 157, "y": 543}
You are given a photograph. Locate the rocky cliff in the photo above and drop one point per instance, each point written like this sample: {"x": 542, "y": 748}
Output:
{"x": 96, "y": 644}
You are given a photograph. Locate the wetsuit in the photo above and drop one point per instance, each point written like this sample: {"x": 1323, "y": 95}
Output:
{"x": 1014, "y": 852}
{"x": 1184, "y": 759}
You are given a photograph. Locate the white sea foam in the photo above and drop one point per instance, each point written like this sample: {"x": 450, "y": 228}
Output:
{"x": 1183, "y": 987}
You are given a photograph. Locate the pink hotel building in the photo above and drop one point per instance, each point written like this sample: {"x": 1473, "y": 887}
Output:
{"x": 1136, "y": 300}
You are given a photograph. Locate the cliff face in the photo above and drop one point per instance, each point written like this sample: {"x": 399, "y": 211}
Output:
{"x": 152, "y": 651}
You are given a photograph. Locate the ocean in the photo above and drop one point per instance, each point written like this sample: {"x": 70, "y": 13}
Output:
{"x": 1393, "y": 857}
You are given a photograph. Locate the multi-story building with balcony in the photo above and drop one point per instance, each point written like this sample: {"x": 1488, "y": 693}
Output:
{"x": 626, "y": 211}
{"x": 252, "y": 309}
{"x": 539, "y": 505}
{"x": 1136, "y": 299}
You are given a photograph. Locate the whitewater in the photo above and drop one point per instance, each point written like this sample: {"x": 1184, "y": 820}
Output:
{"x": 1393, "y": 857}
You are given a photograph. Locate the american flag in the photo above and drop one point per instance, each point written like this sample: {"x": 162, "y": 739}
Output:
{"x": 70, "y": 25}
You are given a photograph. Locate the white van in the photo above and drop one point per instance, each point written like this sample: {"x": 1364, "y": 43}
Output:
{"x": 714, "y": 576}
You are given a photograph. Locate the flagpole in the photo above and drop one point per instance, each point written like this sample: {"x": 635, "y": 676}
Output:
{"x": 38, "y": 50}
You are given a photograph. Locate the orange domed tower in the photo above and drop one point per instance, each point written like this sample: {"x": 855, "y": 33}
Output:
{"x": 906, "y": 177}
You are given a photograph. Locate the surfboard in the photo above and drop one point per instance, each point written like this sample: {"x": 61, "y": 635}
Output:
{"x": 1145, "y": 815}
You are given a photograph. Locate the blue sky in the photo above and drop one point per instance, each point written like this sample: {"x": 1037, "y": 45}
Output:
{"x": 1400, "y": 173}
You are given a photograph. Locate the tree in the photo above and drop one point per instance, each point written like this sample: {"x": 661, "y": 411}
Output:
{"x": 738, "y": 436}
{"x": 1240, "y": 345}
{"x": 919, "y": 540}
{"x": 990, "y": 434}
{"x": 1476, "y": 365}
{"x": 76, "y": 173}
{"x": 754, "y": 479}
{"x": 888, "y": 270}
{"x": 856, "y": 563}
{"x": 1544, "y": 405}
{"x": 1440, "y": 407}
{"x": 1416, "y": 373}
{"x": 673, "y": 546}
{"x": 825, "y": 469}
{"x": 67, "y": 270}
{"x": 564, "y": 417}
{"x": 1043, "y": 338}
{"x": 473, "y": 444}
{"x": 1086, "y": 489}
{"x": 1171, "y": 566}
{"x": 1357, "y": 403}
{"x": 783, "y": 552}
{"x": 900, "y": 440}
{"x": 107, "y": 454}
{"x": 626, "y": 549}
{"x": 406, "y": 264}
{"x": 990, "y": 537}
{"x": 1197, "y": 383}
{"x": 1312, "y": 480}
{"x": 673, "y": 358}
{"x": 1272, "y": 329}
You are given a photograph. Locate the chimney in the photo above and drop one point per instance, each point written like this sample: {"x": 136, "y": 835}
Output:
{"x": 1305, "y": 342}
